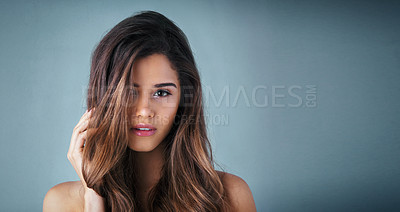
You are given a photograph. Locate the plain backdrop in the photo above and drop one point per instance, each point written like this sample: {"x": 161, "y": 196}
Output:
{"x": 302, "y": 97}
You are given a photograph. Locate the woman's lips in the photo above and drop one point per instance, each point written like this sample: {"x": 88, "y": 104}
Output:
{"x": 143, "y": 129}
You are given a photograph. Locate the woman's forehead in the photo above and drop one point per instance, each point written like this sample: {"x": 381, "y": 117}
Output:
{"x": 153, "y": 69}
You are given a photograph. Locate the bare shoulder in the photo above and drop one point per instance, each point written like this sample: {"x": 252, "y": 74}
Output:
{"x": 64, "y": 197}
{"x": 238, "y": 191}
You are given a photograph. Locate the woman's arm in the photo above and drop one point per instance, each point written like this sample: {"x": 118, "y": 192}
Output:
{"x": 68, "y": 196}
{"x": 92, "y": 201}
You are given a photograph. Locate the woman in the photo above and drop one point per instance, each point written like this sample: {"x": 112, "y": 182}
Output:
{"x": 143, "y": 146}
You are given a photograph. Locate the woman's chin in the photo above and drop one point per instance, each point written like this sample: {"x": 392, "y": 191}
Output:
{"x": 142, "y": 148}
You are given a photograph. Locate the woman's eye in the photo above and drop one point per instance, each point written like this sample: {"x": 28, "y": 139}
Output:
{"x": 162, "y": 93}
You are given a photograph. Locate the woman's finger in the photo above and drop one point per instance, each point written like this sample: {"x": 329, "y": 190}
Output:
{"x": 74, "y": 136}
{"x": 83, "y": 119}
{"x": 75, "y": 155}
{"x": 80, "y": 127}
{"x": 88, "y": 112}
{"x": 77, "y": 148}
{"x": 80, "y": 141}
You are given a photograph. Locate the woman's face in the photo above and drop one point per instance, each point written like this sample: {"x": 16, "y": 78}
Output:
{"x": 157, "y": 95}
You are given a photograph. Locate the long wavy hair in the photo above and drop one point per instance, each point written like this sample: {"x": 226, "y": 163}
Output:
{"x": 189, "y": 181}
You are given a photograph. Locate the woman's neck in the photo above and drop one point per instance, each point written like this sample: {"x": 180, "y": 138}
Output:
{"x": 148, "y": 167}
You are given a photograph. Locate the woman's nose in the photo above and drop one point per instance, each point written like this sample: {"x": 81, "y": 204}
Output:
{"x": 143, "y": 108}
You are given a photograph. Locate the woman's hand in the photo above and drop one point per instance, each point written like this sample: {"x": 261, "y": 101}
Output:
{"x": 93, "y": 201}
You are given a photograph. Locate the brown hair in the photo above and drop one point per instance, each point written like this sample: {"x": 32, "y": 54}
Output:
{"x": 189, "y": 181}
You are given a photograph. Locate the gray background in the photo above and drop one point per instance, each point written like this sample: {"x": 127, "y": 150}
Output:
{"x": 341, "y": 154}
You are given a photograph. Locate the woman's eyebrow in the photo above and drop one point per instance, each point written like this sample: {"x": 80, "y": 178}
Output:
{"x": 165, "y": 84}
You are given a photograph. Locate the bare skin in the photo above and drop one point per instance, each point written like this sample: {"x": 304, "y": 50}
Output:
{"x": 149, "y": 166}
{"x": 68, "y": 196}
{"x": 75, "y": 196}
{"x": 152, "y": 70}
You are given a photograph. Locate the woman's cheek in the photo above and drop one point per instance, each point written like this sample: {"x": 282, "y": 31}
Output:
{"x": 169, "y": 102}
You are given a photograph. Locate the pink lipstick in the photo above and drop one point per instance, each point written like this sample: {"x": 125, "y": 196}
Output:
{"x": 143, "y": 129}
